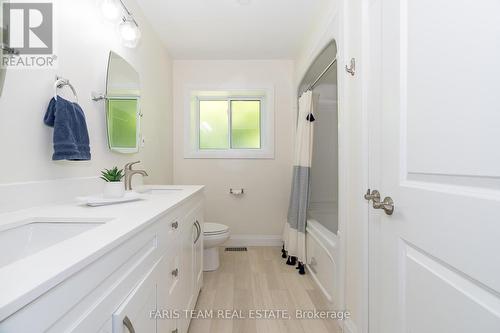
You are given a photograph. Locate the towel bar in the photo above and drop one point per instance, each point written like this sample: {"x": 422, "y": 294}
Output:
{"x": 61, "y": 83}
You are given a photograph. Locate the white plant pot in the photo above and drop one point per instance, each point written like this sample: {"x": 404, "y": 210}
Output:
{"x": 114, "y": 190}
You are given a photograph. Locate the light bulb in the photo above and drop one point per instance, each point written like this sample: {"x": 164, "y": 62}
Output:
{"x": 111, "y": 10}
{"x": 130, "y": 33}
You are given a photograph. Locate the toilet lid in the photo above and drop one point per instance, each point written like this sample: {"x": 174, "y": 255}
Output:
{"x": 214, "y": 228}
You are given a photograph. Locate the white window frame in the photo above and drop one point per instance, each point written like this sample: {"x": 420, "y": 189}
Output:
{"x": 192, "y": 123}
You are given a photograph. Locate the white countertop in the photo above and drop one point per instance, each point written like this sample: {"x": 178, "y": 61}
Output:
{"x": 24, "y": 280}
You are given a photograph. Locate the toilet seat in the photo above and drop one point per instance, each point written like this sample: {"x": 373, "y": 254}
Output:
{"x": 213, "y": 229}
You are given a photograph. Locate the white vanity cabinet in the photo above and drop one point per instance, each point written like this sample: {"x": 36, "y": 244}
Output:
{"x": 134, "y": 314}
{"x": 145, "y": 283}
{"x": 191, "y": 238}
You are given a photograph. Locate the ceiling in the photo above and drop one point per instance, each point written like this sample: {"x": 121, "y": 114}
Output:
{"x": 234, "y": 29}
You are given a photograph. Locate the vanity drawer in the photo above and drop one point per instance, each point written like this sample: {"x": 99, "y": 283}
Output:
{"x": 168, "y": 298}
{"x": 173, "y": 276}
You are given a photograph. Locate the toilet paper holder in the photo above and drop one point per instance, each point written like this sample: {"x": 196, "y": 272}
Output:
{"x": 237, "y": 192}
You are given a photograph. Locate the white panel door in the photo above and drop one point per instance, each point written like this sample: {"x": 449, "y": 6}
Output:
{"x": 435, "y": 67}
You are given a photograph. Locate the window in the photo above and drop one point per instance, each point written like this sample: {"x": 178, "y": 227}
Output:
{"x": 224, "y": 124}
{"x": 245, "y": 124}
{"x": 231, "y": 124}
{"x": 213, "y": 125}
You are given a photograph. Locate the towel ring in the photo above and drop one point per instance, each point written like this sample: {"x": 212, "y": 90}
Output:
{"x": 61, "y": 83}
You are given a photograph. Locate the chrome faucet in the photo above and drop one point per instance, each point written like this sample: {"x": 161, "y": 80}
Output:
{"x": 129, "y": 173}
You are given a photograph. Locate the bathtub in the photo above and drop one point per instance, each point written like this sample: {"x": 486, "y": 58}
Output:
{"x": 322, "y": 247}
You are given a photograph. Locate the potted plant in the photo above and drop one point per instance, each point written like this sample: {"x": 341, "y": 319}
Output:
{"x": 113, "y": 188}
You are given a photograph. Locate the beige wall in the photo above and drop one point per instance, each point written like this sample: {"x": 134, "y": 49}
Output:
{"x": 262, "y": 210}
{"x": 83, "y": 41}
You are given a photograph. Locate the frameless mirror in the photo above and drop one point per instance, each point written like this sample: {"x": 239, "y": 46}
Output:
{"x": 122, "y": 105}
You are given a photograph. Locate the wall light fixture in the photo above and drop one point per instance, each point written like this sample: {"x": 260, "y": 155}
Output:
{"x": 128, "y": 28}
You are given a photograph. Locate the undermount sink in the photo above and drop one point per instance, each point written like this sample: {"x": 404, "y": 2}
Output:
{"x": 25, "y": 238}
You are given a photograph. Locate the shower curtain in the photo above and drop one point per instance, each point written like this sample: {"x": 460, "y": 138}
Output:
{"x": 294, "y": 234}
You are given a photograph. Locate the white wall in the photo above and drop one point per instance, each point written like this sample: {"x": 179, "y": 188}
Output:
{"x": 263, "y": 208}
{"x": 83, "y": 40}
{"x": 327, "y": 27}
{"x": 352, "y": 210}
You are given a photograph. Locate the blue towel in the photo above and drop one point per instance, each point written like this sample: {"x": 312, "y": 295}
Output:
{"x": 71, "y": 137}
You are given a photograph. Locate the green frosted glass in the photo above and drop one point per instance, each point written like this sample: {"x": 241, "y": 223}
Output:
{"x": 122, "y": 123}
{"x": 214, "y": 131}
{"x": 245, "y": 124}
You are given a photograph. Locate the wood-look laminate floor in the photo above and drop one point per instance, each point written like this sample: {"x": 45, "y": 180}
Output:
{"x": 259, "y": 280}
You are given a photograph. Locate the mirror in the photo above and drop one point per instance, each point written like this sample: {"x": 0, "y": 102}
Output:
{"x": 122, "y": 106}
{"x": 3, "y": 42}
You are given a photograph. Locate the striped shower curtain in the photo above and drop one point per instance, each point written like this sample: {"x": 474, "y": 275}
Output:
{"x": 294, "y": 234}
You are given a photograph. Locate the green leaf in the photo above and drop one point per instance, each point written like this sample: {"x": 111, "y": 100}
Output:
{"x": 112, "y": 175}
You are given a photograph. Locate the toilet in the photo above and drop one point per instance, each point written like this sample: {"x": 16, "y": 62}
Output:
{"x": 214, "y": 235}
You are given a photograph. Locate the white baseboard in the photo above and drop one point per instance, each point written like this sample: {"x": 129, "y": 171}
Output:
{"x": 254, "y": 240}
{"x": 349, "y": 326}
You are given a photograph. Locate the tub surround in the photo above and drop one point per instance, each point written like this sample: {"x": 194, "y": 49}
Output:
{"x": 322, "y": 248}
{"x": 24, "y": 280}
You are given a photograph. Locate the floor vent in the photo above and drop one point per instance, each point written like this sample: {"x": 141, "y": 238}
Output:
{"x": 236, "y": 249}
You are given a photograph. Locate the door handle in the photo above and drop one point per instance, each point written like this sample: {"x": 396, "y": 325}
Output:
{"x": 128, "y": 324}
{"x": 175, "y": 225}
{"x": 387, "y": 205}
{"x": 175, "y": 272}
{"x": 372, "y": 195}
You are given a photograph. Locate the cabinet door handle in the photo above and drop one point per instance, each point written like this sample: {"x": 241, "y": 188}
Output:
{"x": 128, "y": 324}
{"x": 175, "y": 272}
{"x": 175, "y": 225}
{"x": 175, "y": 331}
{"x": 198, "y": 229}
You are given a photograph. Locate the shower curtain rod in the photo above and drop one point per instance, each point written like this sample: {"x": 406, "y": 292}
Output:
{"x": 311, "y": 87}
